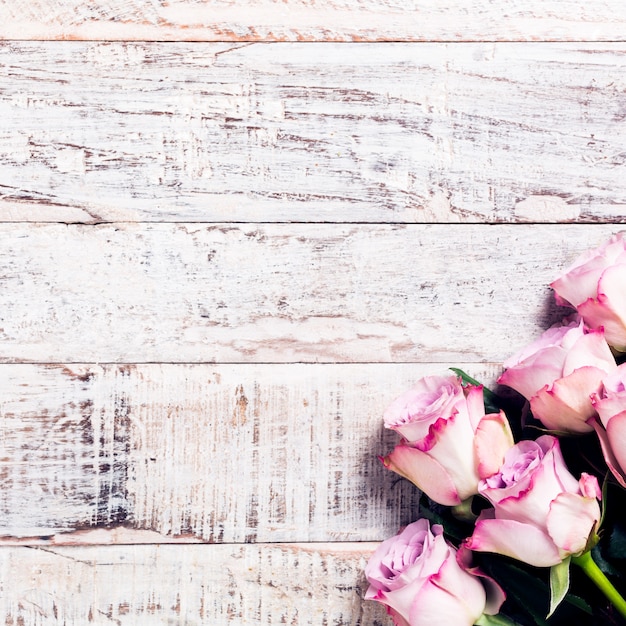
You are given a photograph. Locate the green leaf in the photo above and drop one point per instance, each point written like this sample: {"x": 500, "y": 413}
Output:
{"x": 456, "y": 530}
{"x": 494, "y": 620}
{"x": 559, "y": 583}
{"x": 528, "y": 594}
{"x": 493, "y": 404}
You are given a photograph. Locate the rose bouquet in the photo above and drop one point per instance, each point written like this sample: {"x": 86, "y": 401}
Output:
{"x": 520, "y": 485}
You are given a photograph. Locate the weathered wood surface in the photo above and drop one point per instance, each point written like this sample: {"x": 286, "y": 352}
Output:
{"x": 323, "y": 20}
{"x": 170, "y": 410}
{"x": 210, "y": 453}
{"x": 191, "y": 585}
{"x": 97, "y": 132}
{"x": 279, "y": 292}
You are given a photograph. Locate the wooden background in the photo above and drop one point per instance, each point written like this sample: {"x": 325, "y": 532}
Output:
{"x": 231, "y": 234}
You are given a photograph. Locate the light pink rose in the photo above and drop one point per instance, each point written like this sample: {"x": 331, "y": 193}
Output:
{"x": 559, "y": 372}
{"x": 610, "y": 403}
{"x": 449, "y": 443}
{"x": 422, "y": 581}
{"x": 541, "y": 513}
{"x": 595, "y": 285}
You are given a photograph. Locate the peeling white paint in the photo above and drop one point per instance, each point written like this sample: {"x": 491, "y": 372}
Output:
{"x": 323, "y": 20}
{"x": 271, "y": 132}
{"x": 277, "y": 292}
{"x": 215, "y": 585}
{"x": 104, "y": 465}
{"x": 544, "y": 208}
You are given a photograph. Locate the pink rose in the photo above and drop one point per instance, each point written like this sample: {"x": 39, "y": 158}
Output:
{"x": 558, "y": 373}
{"x": 595, "y": 285}
{"x": 449, "y": 443}
{"x": 423, "y": 581}
{"x": 541, "y": 513}
{"x": 610, "y": 403}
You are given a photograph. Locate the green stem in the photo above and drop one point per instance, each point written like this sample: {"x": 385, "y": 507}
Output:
{"x": 494, "y": 620}
{"x": 588, "y": 565}
{"x": 463, "y": 511}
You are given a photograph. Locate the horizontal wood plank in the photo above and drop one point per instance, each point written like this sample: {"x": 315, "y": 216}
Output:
{"x": 323, "y": 20}
{"x": 95, "y": 132}
{"x": 202, "y": 453}
{"x": 200, "y": 585}
{"x": 181, "y": 293}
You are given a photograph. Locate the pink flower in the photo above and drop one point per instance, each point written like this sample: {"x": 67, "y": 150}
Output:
{"x": 541, "y": 513}
{"x": 610, "y": 403}
{"x": 558, "y": 373}
{"x": 423, "y": 581}
{"x": 595, "y": 285}
{"x": 449, "y": 443}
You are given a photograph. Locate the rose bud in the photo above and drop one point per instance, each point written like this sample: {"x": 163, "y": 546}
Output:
{"x": 595, "y": 285}
{"x": 422, "y": 580}
{"x": 449, "y": 443}
{"x": 541, "y": 514}
{"x": 558, "y": 373}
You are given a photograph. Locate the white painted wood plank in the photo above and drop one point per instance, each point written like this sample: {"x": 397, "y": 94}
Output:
{"x": 200, "y": 585}
{"x": 202, "y": 453}
{"x": 279, "y": 292}
{"x": 323, "y": 20}
{"x": 97, "y": 132}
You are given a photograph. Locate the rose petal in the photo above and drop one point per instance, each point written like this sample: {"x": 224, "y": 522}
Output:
{"x": 432, "y": 398}
{"x": 475, "y": 404}
{"x": 608, "y": 309}
{"x": 589, "y": 486}
{"x": 398, "y": 620}
{"x": 554, "y": 455}
{"x": 577, "y": 284}
{"x": 495, "y": 594}
{"x": 528, "y": 498}
{"x": 551, "y": 338}
{"x": 424, "y": 472}
{"x": 536, "y": 371}
{"x": 523, "y": 542}
{"x": 566, "y": 406}
{"x": 616, "y": 431}
{"x": 492, "y": 439}
{"x": 401, "y": 600}
{"x": 451, "y": 598}
{"x": 591, "y": 350}
{"x": 609, "y": 405}
{"x": 579, "y": 281}
{"x": 572, "y": 518}
{"x": 609, "y": 457}
{"x": 451, "y": 444}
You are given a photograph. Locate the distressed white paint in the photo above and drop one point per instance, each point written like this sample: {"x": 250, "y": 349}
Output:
{"x": 322, "y": 20}
{"x": 279, "y": 292}
{"x": 136, "y": 132}
{"x": 193, "y": 585}
{"x": 546, "y": 209}
{"x": 214, "y": 453}
{"x": 289, "y": 132}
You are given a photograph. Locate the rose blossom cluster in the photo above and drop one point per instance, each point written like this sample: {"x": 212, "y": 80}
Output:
{"x": 569, "y": 375}
{"x": 535, "y": 510}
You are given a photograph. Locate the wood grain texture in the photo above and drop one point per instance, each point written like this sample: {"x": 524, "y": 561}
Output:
{"x": 323, "y": 20}
{"x": 279, "y": 292}
{"x": 202, "y": 453}
{"x": 191, "y": 585}
{"x": 98, "y": 132}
